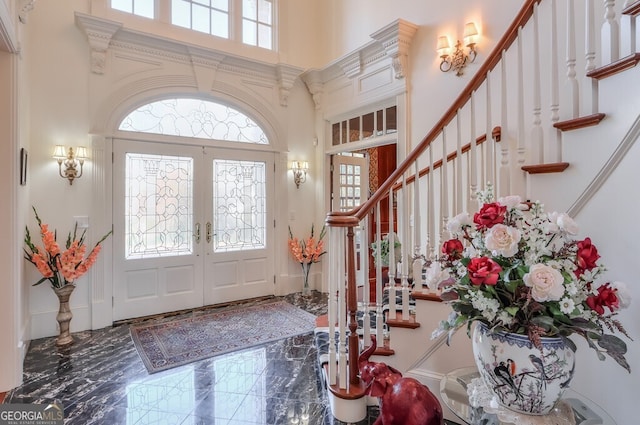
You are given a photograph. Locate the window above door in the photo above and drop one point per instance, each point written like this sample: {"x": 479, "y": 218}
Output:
{"x": 249, "y": 22}
{"x": 198, "y": 118}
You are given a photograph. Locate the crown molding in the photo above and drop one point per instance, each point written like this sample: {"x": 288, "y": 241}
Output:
{"x": 104, "y": 34}
{"x": 391, "y": 42}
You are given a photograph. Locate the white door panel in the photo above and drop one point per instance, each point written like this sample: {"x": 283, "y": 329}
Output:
{"x": 157, "y": 261}
{"x": 190, "y": 227}
{"x": 239, "y": 261}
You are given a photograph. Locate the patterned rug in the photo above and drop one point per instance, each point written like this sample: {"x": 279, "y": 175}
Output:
{"x": 178, "y": 342}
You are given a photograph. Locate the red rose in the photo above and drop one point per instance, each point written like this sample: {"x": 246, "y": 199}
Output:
{"x": 586, "y": 256}
{"x": 483, "y": 270}
{"x": 489, "y": 215}
{"x": 606, "y": 297}
{"x": 453, "y": 249}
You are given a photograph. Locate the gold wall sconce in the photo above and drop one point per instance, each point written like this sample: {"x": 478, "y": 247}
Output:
{"x": 459, "y": 59}
{"x": 71, "y": 160}
{"x": 299, "y": 169}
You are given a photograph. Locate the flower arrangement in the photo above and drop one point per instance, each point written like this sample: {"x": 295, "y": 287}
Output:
{"x": 518, "y": 269}
{"x": 384, "y": 249}
{"x": 59, "y": 267}
{"x": 306, "y": 252}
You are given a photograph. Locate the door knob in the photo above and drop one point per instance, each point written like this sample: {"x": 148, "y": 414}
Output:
{"x": 208, "y": 232}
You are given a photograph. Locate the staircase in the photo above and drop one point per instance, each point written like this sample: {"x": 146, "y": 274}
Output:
{"x": 543, "y": 111}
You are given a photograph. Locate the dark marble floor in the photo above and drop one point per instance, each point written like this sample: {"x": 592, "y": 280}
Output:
{"x": 100, "y": 379}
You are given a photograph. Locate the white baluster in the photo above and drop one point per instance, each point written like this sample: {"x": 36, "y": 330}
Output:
{"x": 519, "y": 184}
{"x": 417, "y": 237}
{"x": 342, "y": 313}
{"x": 364, "y": 263}
{"x": 489, "y": 142}
{"x": 473, "y": 156}
{"x": 574, "y": 94}
{"x": 392, "y": 257}
{"x": 554, "y": 133}
{"x": 505, "y": 180}
{"x": 403, "y": 226}
{"x": 458, "y": 167}
{"x": 392, "y": 248}
{"x": 444, "y": 191}
{"x": 334, "y": 235}
{"x": 379, "y": 285}
{"x": 537, "y": 142}
{"x": 590, "y": 52}
{"x": 610, "y": 34}
{"x": 628, "y": 29}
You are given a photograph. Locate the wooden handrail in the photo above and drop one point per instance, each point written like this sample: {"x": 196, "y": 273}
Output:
{"x": 493, "y": 59}
{"x": 496, "y": 134}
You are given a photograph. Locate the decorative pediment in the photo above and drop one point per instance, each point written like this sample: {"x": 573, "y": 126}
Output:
{"x": 395, "y": 39}
{"x": 376, "y": 70}
{"x": 99, "y": 33}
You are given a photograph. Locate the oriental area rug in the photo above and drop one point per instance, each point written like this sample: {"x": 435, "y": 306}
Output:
{"x": 178, "y": 342}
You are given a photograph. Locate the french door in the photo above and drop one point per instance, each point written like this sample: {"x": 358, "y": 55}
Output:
{"x": 191, "y": 226}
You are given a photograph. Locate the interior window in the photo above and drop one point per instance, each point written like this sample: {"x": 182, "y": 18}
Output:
{"x": 257, "y": 18}
{"x": 250, "y": 22}
{"x": 208, "y": 16}
{"x": 143, "y": 8}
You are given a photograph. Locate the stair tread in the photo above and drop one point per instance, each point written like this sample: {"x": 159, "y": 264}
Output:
{"x": 620, "y": 65}
{"x": 580, "y": 122}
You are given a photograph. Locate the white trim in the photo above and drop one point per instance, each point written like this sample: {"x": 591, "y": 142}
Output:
{"x": 102, "y": 272}
{"x": 607, "y": 169}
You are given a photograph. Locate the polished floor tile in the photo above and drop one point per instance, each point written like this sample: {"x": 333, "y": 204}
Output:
{"x": 100, "y": 379}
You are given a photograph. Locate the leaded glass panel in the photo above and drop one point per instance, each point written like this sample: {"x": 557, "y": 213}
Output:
{"x": 349, "y": 186}
{"x": 194, "y": 118}
{"x": 239, "y": 205}
{"x": 158, "y": 206}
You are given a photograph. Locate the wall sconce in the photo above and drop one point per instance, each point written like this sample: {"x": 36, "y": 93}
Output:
{"x": 299, "y": 169}
{"x": 71, "y": 160}
{"x": 459, "y": 59}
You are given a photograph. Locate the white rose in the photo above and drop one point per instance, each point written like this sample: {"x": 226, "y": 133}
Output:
{"x": 511, "y": 201}
{"x": 564, "y": 222}
{"x": 623, "y": 294}
{"x": 545, "y": 283}
{"x": 434, "y": 275}
{"x": 502, "y": 240}
{"x": 567, "y": 224}
{"x": 455, "y": 224}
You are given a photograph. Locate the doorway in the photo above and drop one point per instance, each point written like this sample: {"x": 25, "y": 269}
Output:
{"x": 191, "y": 226}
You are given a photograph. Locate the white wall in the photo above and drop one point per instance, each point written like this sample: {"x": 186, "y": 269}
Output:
{"x": 609, "y": 218}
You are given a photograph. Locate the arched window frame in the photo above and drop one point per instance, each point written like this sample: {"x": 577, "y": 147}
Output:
{"x": 194, "y": 118}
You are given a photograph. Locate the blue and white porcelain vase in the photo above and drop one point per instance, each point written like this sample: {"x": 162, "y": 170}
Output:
{"x": 522, "y": 377}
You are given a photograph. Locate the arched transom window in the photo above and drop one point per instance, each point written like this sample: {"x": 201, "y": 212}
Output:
{"x": 194, "y": 118}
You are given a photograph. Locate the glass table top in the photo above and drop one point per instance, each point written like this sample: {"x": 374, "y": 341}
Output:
{"x": 573, "y": 409}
